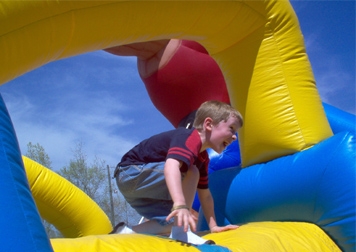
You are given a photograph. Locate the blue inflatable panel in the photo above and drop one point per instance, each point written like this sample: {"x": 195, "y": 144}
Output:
{"x": 230, "y": 157}
{"x": 212, "y": 248}
{"x": 339, "y": 120}
{"x": 316, "y": 186}
{"x": 21, "y": 226}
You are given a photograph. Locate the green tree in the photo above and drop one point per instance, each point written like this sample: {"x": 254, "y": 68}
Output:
{"x": 89, "y": 178}
{"x": 94, "y": 179}
{"x": 37, "y": 153}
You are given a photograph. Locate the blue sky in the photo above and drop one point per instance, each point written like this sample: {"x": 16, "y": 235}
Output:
{"x": 99, "y": 99}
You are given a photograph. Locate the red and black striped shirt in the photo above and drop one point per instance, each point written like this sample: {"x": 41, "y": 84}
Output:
{"x": 181, "y": 144}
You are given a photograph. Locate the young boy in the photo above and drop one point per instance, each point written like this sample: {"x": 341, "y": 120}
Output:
{"x": 160, "y": 176}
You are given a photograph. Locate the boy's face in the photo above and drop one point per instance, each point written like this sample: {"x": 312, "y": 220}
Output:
{"x": 223, "y": 133}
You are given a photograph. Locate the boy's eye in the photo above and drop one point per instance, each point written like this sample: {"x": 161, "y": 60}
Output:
{"x": 233, "y": 130}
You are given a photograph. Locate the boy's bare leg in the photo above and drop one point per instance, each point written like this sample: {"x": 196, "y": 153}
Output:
{"x": 189, "y": 185}
{"x": 152, "y": 227}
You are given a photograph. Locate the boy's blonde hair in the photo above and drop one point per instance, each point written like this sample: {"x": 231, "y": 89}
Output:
{"x": 217, "y": 111}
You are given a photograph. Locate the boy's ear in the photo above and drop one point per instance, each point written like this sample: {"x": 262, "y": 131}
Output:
{"x": 208, "y": 123}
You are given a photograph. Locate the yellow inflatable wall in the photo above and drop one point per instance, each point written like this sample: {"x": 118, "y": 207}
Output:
{"x": 253, "y": 237}
{"x": 258, "y": 45}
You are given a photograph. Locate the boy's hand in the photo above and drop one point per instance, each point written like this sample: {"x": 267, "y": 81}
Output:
{"x": 184, "y": 218}
{"x": 218, "y": 229}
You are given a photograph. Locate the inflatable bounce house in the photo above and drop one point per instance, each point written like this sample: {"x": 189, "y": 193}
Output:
{"x": 289, "y": 182}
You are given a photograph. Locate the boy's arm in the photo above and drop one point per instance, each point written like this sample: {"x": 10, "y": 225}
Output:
{"x": 174, "y": 182}
{"x": 207, "y": 204}
{"x": 172, "y": 174}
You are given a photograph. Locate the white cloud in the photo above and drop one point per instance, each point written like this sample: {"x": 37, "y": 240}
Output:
{"x": 336, "y": 85}
{"x": 59, "y": 130}
{"x": 96, "y": 98}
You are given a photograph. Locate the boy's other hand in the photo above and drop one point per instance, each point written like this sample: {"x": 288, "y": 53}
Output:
{"x": 218, "y": 229}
